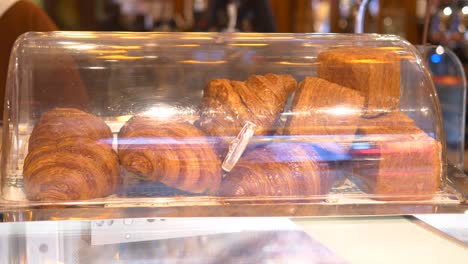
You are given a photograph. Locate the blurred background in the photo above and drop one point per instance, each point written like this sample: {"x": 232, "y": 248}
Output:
{"x": 448, "y": 18}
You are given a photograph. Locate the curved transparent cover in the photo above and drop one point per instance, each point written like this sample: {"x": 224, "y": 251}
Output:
{"x": 450, "y": 82}
{"x": 172, "y": 119}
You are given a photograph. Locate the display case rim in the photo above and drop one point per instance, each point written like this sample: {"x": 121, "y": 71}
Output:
{"x": 139, "y": 34}
{"x": 456, "y": 203}
{"x": 217, "y": 37}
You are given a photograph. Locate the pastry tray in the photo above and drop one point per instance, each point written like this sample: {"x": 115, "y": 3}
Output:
{"x": 347, "y": 203}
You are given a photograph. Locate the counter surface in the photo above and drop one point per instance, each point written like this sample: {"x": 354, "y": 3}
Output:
{"x": 410, "y": 239}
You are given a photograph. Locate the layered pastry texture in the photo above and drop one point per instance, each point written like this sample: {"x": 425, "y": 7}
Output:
{"x": 375, "y": 72}
{"x": 325, "y": 112}
{"x": 277, "y": 169}
{"x": 70, "y": 157}
{"x": 401, "y": 162}
{"x": 175, "y": 153}
{"x": 62, "y": 123}
{"x": 227, "y": 104}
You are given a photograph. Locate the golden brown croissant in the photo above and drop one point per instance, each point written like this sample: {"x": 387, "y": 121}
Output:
{"x": 227, "y": 105}
{"x": 278, "y": 169}
{"x": 73, "y": 169}
{"x": 324, "y": 108}
{"x": 62, "y": 123}
{"x": 173, "y": 152}
{"x": 70, "y": 157}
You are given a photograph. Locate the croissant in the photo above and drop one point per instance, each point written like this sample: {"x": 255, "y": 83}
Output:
{"x": 70, "y": 157}
{"x": 62, "y": 123}
{"x": 279, "y": 169}
{"x": 227, "y": 105}
{"x": 175, "y": 153}
{"x": 325, "y": 112}
{"x": 324, "y": 108}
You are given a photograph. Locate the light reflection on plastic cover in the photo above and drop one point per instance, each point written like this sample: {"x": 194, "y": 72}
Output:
{"x": 295, "y": 63}
{"x": 166, "y": 112}
{"x": 119, "y": 57}
{"x": 303, "y": 139}
{"x": 84, "y": 46}
{"x": 249, "y": 44}
{"x": 202, "y": 62}
{"x": 328, "y": 151}
{"x": 338, "y": 110}
{"x": 76, "y": 34}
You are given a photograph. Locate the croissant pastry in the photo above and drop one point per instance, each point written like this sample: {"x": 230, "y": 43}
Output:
{"x": 175, "y": 153}
{"x": 227, "y": 105}
{"x": 69, "y": 157}
{"x": 325, "y": 112}
{"x": 62, "y": 123}
{"x": 279, "y": 169}
{"x": 324, "y": 108}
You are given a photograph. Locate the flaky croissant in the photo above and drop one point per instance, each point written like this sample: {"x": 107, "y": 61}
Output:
{"x": 175, "y": 153}
{"x": 321, "y": 107}
{"x": 62, "y": 123}
{"x": 74, "y": 169}
{"x": 277, "y": 169}
{"x": 70, "y": 157}
{"x": 227, "y": 105}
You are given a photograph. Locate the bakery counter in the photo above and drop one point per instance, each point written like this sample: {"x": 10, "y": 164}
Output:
{"x": 410, "y": 239}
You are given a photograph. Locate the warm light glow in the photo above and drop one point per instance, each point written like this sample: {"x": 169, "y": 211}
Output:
{"x": 389, "y": 48}
{"x": 120, "y": 57}
{"x": 82, "y": 46}
{"x": 197, "y": 38}
{"x": 261, "y": 37}
{"x": 161, "y": 112}
{"x": 134, "y": 37}
{"x": 295, "y": 63}
{"x": 77, "y": 34}
{"x": 202, "y": 62}
{"x": 249, "y": 44}
{"x": 124, "y": 118}
{"x": 341, "y": 110}
{"x": 126, "y": 47}
{"x": 371, "y": 61}
{"x": 440, "y": 50}
{"x": 68, "y": 43}
{"x": 447, "y": 11}
{"x": 101, "y": 51}
{"x": 188, "y": 45}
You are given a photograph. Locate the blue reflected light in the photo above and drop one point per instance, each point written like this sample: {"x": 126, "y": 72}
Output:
{"x": 435, "y": 58}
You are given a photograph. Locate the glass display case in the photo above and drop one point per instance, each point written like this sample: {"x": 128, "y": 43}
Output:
{"x": 450, "y": 81}
{"x": 100, "y": 125}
